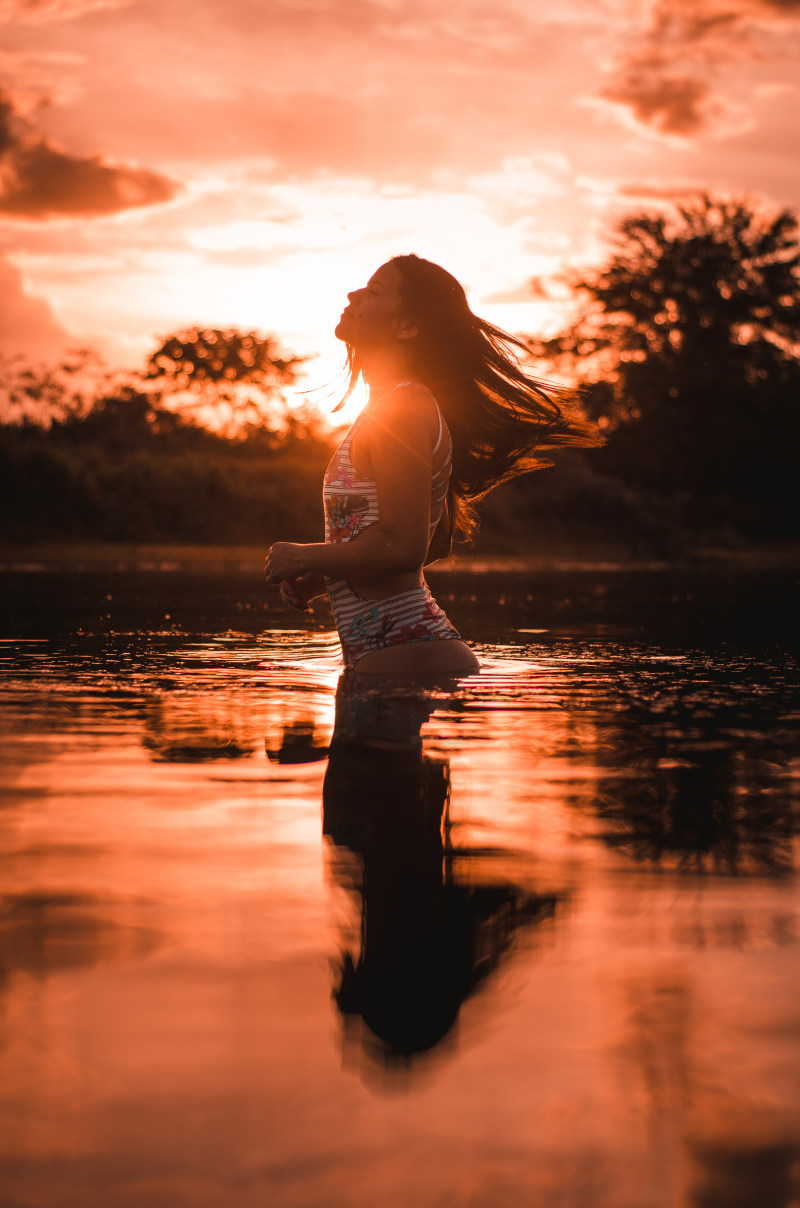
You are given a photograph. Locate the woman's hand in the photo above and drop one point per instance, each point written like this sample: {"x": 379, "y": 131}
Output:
{"x": 285, "y": 560}
{"x": 298, "y": 593}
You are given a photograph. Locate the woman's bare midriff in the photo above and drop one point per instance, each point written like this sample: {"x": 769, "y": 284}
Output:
{"x": 449, "y": 655}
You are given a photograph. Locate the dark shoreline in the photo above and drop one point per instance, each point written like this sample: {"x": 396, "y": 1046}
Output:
{"x": 167, "y": 557}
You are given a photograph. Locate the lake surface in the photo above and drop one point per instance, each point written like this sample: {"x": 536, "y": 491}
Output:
{"x": 269, "y": 938}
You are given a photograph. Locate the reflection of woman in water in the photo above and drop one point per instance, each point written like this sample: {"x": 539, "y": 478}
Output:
{"x": 450, "y": 416}
{"x": 426, "y": 940}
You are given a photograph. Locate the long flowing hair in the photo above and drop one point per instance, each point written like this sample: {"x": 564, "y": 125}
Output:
{"x": 500, "y": 418}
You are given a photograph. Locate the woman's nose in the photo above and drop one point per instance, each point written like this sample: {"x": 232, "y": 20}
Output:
{"x": 352, "y": 296}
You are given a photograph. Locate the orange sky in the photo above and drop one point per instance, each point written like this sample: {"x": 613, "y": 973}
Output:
{"x": 245, "y": 162}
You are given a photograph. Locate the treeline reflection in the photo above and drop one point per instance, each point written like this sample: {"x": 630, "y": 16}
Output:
{"x": 697, "y": 799}
{"x": 675, "y": 786}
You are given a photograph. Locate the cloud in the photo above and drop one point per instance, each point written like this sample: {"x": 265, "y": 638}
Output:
{"x": 669, "y": 104}
{"x": 666, "y": 80}
{"x": 34, "y": 78}
{"x": 532, "y": 290}
{"x": 40, "y": 180}
{"x": 371, "y": 87}
{"x": 658, "y": 192}
{"x": 27, "y": 324}
{"x": 37, "y": 11}
{"x": 374, "y": 126}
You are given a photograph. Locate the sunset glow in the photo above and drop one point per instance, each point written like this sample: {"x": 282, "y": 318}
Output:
{"x": 247, "y": 164}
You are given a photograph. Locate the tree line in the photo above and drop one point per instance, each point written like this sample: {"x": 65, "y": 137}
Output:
{"x": 685, "y": 345}
{"x": 200, "y": 447}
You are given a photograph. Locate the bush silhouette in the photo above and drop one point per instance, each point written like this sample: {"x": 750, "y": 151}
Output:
{"x": 687, "y": 343}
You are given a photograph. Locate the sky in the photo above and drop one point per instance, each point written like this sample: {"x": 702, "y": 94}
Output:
{"x": 165, "y": 164}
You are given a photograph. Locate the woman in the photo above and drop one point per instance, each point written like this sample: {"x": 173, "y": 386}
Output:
{"x": 450, "y": 416}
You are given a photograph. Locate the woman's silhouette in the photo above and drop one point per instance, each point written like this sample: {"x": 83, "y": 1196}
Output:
{"x": 451, "y": 415}
{"x": 426, "y": 940}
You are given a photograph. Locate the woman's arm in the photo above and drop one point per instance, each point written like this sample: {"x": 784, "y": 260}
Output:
{"x": 398, "y": 440}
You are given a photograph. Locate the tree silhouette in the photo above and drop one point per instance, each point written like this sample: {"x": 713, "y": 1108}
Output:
{"x": 687, "y": 342}
{"x": 222, "y": 357}
{"x": 236, "y": 377}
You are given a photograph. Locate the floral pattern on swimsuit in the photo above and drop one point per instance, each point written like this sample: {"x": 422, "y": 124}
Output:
{"x": 351, "y": 502}
{"x": 346, "y": 516}
{"x": 367, "y": 625}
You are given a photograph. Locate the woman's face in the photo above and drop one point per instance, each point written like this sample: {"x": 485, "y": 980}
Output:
{"x": 375, "y": 314}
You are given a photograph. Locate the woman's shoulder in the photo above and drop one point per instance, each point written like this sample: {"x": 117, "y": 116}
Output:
{"x": 408, "y": 406}
{"x": 407, "y": 413}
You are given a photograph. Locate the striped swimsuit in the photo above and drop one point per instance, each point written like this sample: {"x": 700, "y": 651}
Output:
{"x": 351, "y": 505}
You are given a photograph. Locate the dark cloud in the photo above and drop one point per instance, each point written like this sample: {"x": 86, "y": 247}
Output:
{"x": 27, "y": 324}
{"x": 670, "y": 104}
{"x": 730, "y": 1175}
{"x": 40, "y": 180}
{"x": 667, "y": 75}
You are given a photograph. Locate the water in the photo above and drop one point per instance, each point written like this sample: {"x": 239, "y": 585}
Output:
{"x": 531, "y": 938}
